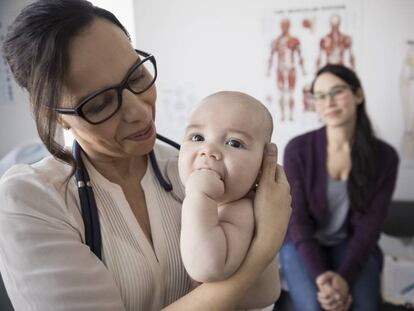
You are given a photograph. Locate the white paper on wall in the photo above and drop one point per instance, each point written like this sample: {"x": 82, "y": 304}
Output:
{"x": 6, "y": 79}
{"x": 177, "y": 103}
{"x": 407, "y": 104}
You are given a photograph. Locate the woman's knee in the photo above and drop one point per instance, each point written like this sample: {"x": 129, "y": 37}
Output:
{"x": 366, "y": 289}
{"x": 302, "y": 288}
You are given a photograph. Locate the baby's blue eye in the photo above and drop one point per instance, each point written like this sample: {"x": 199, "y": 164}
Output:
{"x": 234, "y": 143}
{"x": 197, "y": 137}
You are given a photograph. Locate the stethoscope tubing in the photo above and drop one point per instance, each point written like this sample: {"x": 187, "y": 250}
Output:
{"x": 89, "y": 209}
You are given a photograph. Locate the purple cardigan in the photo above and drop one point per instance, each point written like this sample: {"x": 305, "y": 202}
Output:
{"x": 305, "y": 166}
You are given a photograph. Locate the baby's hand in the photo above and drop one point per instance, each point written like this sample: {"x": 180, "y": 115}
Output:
{"x": 205, "y": 181}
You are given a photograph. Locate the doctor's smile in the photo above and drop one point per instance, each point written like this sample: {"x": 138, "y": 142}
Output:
{"x": 144, "y": 134}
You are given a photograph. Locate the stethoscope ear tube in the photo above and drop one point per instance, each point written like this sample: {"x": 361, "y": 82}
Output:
{"x": 163, "y": 182}
{"x": 88, "y": 204}
{"x": 168, "y": 141}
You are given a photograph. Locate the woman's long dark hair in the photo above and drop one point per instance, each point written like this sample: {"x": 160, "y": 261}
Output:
{"x": 36, "y": 48}
{"x": 363, "y": 153}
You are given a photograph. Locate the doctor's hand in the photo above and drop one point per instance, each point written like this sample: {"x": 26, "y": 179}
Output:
{"x": 205, "y": 181}
{"x": 272, "y": 203}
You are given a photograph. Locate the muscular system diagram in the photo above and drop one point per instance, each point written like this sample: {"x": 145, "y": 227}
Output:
{"x": 335, "y": 46}
{"x": 286, "y": 49}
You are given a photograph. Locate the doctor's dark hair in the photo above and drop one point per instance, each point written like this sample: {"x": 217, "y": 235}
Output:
{"x": 363, "y": 153}
{"x": 36, "y": 49}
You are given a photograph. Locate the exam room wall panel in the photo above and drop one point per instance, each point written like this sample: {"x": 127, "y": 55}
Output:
{"x": 16, "y": 123}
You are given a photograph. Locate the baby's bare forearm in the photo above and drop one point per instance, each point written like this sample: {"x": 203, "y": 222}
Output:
{"x": 203, "y": 244}
{"x": 200, "y": 211}
{"x": 212, "y": 250}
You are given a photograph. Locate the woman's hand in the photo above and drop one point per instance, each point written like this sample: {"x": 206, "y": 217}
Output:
{"x": 330, "y": 300}
{"x": 333, "y": 292}
{"x": 272, "y": 204}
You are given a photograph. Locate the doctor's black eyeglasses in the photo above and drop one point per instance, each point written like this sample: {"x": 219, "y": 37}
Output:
{"x": 103, "y": 104}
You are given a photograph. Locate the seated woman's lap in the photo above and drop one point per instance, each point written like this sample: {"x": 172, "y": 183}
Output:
{"x": 302, "y": 289}
{"x": 365, "y": 290}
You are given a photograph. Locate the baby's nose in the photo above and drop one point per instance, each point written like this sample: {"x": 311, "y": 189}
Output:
{"x": 211, "y": 152}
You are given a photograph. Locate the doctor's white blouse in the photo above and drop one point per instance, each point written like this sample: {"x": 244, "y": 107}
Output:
{"x": 45, "y": 264}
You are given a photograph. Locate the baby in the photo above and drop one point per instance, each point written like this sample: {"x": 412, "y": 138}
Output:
{"x": 219, "y": 164}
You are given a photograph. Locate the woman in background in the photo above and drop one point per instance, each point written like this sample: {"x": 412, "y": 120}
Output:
{"x": 342, "y": 179}
{"x": 82, "y": 74}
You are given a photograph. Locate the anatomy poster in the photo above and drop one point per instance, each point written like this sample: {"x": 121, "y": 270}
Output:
{"x": 299, "y": 41}
{"x": 407, "y": 104}
{"x": 177, "y": 103}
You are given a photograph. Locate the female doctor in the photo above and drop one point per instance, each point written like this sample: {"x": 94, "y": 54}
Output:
{"x": 121, "y": 251}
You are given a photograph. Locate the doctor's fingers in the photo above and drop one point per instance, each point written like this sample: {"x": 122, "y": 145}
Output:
{"x": 269, "y": 164}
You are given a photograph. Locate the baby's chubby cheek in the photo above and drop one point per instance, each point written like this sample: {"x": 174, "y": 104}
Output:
{"x": 205, "y": 181}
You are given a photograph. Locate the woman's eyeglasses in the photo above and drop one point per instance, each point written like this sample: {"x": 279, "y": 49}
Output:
{"x": 103, "y": 104}
{"x": 336, "y": 93}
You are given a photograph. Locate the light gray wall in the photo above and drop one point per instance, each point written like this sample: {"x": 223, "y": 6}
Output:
{"x": 16, "y": 123}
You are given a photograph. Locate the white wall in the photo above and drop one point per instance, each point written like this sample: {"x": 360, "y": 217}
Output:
{"x": 202, "y": 47}
{"x": 387, "y": 23}
{"x": 17, "y": 125}
{"x": 123, "y": 10}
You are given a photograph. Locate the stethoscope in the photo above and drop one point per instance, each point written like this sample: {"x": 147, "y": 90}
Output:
{"x": 87, "y": 198}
